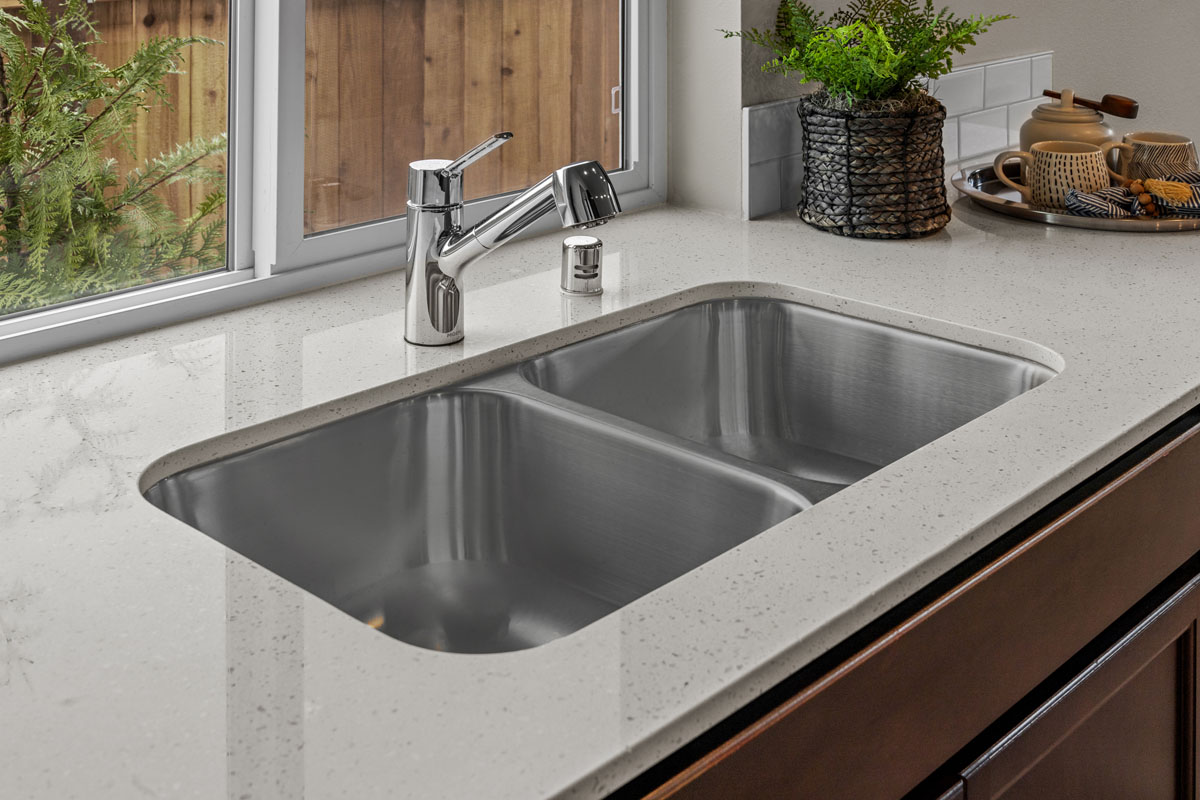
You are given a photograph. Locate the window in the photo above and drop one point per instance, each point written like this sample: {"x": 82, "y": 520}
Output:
{"x": 105, "y": 185}
{"x": 155, "y": 215}
{"x": 395, "y": 82}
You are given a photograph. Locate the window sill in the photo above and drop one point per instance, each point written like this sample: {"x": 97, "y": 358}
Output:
{"x": 120, "y": 314}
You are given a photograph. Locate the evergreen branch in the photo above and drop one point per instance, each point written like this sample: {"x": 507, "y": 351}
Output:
{"x": 174, "y": 173}
{"x": 132, "y": 87}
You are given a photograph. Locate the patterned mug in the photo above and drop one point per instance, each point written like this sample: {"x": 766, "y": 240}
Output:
{"x": 1151, "y": 154}
{"x": 1055, "y": 168}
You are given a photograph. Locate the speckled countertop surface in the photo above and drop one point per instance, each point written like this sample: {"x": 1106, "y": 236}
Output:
{"x": 140, "y": 658}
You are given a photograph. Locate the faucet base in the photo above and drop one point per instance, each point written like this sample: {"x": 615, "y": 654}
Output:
{"x": 442, "y": 340}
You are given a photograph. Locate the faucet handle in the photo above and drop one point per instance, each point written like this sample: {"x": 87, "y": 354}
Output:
{"x": 437, "y": 183}
{"x": 456, "y": 167}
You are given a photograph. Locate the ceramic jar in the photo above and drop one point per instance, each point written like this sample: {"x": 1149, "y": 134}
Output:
{"x": 1063, "y": 121}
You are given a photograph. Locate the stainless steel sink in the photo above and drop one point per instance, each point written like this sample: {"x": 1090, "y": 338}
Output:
{"x": 475, "y": 521}
{"x": 515, "y": 508}
{"x": 821, "y": 396}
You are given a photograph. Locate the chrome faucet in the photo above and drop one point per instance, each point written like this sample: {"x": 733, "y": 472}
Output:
{"x": 439, "y": 249}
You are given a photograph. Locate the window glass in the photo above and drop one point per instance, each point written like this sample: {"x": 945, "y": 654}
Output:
{"x": 394, "y": 81}
{"x": 112, "y": 145}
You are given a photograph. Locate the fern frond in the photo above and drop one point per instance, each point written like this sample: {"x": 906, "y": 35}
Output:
{"x": 868, "y": 49}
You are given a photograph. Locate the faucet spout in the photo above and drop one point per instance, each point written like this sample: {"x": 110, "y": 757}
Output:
{"x": 581, "y": 193}
{"x": 439, "y": 249}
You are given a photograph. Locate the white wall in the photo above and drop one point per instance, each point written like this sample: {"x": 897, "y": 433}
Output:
{"x": 704, "y": 105}
{"x": 1146, "y": 50}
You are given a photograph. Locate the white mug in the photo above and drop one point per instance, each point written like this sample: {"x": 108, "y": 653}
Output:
{"x": 1055, "y": 168}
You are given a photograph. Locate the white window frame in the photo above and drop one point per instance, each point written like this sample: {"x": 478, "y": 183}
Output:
{"x": 268, "y": 254}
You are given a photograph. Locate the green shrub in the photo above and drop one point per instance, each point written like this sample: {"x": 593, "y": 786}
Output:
{"x": 69, "y": 224}
{"x": 869, "y": 50}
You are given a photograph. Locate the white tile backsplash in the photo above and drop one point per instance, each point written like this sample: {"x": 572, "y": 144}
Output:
{"x": 764, "y": 195}
{"x": 950, "y": 139}
{"x": 1042, "y": 69}
{"x": 776, "y": 131}
{"x": 1007, "y": 82}
{"x": 982, "y": 132}
{"x": 986, "y": 105}
{"x": 960, "y": 91}
{"x": 1018, "y": 113}
{"x": 791, "y": 172}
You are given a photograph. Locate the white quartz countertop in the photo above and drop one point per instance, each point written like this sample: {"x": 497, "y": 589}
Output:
{"x": 138, "y": 657}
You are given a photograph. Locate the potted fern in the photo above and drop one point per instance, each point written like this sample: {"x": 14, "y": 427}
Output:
{"x": 873, "y": 160}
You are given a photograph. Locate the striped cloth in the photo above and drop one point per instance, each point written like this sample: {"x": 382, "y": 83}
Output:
{"x": 1117, "y": 203}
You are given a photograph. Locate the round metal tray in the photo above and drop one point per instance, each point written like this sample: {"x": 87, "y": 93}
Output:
{"x": 985, "y": 189}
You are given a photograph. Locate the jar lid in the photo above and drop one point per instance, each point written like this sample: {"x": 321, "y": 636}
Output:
{"x": 1065, "y": 110}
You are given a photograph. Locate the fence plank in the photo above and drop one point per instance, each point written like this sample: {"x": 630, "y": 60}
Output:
{"x": 322, "y": 112}
{"x": 403, "y": 98}
{"x": 361, "y": 120}
{"x": 160, "y": 130}
{"x": 114, "y": 24}
{"x": 554, "y": 84}
{"x": 588, "y": 51}
{"x": 483, "y": 51}
{"x": 610, "y": 30}
{"x": 208, "y": 80}
{"x": 519, "y": 158}
{"x": 443, "y": 79}
{"x": 595, "y": 130}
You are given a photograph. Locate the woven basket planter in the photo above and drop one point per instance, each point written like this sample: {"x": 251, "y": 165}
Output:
{"x": 874, "y": 174}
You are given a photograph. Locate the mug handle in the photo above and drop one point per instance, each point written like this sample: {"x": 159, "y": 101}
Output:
{"x": 998, "y": 167}
{"x": 1128, "y": 150}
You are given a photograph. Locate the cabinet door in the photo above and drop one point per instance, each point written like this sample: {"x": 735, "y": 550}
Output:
{"x": 1123, "y": 728}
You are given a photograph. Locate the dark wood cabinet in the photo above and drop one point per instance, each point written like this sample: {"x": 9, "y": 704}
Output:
{"x": 1123, "y": 728}
{"x": 1101, "y": 571}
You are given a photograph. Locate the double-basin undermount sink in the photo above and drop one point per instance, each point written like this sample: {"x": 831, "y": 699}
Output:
{"x": 509, "y": 510}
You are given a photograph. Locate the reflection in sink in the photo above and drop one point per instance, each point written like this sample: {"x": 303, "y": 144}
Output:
{"x": 475, "y": 521}
{"x": 824, "y": 397}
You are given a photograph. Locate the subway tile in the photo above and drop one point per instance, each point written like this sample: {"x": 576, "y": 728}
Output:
{"x": 791, "y": 178}
{"x": 1018, "y": 113}
{"x": 1006, "y": 82}
{"x": 982, "y": 132}
{"x": 961, "y": 91}
{"x": 774, "y": 131}
{"x": 1042, "y": 74}
{"x": 950, "y": 139}
{"x": 762, "y": 193}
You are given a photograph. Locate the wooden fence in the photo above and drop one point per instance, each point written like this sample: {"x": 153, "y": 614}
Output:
{"x": 394, "y": 81}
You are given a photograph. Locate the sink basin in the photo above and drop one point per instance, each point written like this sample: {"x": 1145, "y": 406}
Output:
{"x": 515, "y": 508}
{"x": 475, "y": 521}
{"x": 820, "y": 396}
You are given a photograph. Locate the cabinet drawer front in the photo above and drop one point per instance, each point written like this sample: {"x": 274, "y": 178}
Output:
{"x": 1122, "y": 728}
{"x": 887, "y": 718}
